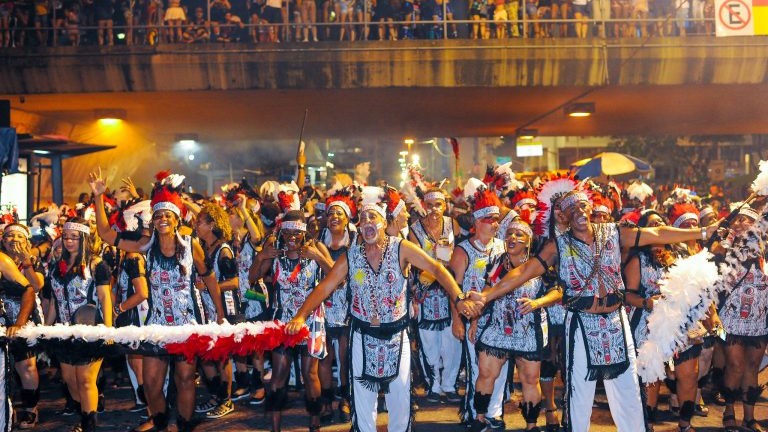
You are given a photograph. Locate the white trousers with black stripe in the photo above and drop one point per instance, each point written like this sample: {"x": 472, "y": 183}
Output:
{"x": 365, "y": 401}
{"x": 623, "y": 392}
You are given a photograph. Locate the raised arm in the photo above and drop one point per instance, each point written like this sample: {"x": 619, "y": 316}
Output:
{"x": 255, "y": 229}
{"x": 663, "y": 235}
{"x": 98, "y": 187}
{"x": 325, "y": 288}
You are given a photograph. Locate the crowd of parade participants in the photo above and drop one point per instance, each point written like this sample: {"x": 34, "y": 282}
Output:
{"x": 404, "y": 290}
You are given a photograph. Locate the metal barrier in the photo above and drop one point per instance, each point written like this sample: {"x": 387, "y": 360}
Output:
{"x": 64, "y": 34}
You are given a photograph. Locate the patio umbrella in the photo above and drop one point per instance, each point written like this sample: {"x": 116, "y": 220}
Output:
{"x": 610, "y": 164}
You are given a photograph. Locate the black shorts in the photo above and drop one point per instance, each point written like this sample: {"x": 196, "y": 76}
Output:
{"x": 272, "y": 15}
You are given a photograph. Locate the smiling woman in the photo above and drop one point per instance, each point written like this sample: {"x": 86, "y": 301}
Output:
{"x": 172, "y": 262}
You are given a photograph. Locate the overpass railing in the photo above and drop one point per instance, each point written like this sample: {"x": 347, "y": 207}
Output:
{"x": 64, "y": 33}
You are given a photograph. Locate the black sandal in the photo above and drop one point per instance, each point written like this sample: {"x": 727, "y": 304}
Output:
{"x": 552, "y": 427}
{"x": 753, "y": 425}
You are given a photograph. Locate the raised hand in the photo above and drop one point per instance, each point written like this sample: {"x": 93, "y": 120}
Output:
{"x": 129, "y": 187}
{"x": 97, "y": 183}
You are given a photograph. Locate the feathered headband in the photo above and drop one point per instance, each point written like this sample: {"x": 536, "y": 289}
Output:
{"x": 288, "y": 200}
{"x": 232, "y": 190}
{"x": 344, "y": 199}
{"x": 166, "y": 193}
{"x": 394, "y": 203}
{"x": 681, "y": 212}
{"x": 412, "y": 198}
{"x": 19, "y": 228}
{"x": 639, "y": 191}
{"x": 372, "y": 200}
{"x": 602, "y": 204}
{"x": 134, "y": 217}
{"x": 501, "y": 179}
{"x": 484, "y": 202}
{"x": 549, "y": 192}
{"x": 522, "y": 223}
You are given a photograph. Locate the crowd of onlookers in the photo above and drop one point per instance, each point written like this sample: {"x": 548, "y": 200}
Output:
{"x": 129, "y": 22}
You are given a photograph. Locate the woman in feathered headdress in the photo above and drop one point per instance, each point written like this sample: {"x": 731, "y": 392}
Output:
{"x": 80, "y": 281}
{"x": 645, "y": 267}
{"x": 172, "y": 260}
{"x": 469, "y": 264}
{"x": 296, "y": 264}
{"x": 549, "y": 221}
{"x": 246, "y": 217}
{"x": 133, "y": 220}
{"x": 16, "y": 245}
{"x": 744, "y": 314}
{"x": 338, "y": 235}
{"x": 513, "y": 327}
{"x": 213, "y": 229}
{"x": 685, "y": 215}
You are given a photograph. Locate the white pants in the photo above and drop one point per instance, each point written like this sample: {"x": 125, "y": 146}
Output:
{"x": 623, "y": 391}
{"x": 497, "y": 397}
{"x": 366, "y": 402}
{"x": 441, "y": 346}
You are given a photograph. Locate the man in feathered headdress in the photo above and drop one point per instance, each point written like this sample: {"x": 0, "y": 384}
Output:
{"x": 435, "y": 234}
{"x": 588, "y": 257}
{"x": 469, "y": 266}
{"x": 379, "y": 313}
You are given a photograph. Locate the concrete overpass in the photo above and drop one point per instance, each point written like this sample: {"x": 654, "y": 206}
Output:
{"x": 389, "y": 90}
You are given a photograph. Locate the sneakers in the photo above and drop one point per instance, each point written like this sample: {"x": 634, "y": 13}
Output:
{"x": 138, "y": 407}
{"x": 27, "y": 418}
{"x": 478, "y": 426}
{"x": 452, "y": 397}
{"x": 257, "y": 397}
{"x": 220, "y": 411}
{"x": 70, "y": 409}
{"x": 240, "y": 393}
{"x": 206, "y": 406}
{"x": 495, "y": 423}
{"x": 701, "y": 410}
{"x": 433, "y": 397}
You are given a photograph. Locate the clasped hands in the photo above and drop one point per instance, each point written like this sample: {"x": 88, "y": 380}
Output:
{"x": 471, "y": 306}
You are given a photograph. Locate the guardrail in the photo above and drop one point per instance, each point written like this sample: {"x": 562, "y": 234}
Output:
{"x": 206, "y": 31}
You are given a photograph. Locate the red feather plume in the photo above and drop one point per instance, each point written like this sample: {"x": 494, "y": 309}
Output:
{"x": 162, "y": 174}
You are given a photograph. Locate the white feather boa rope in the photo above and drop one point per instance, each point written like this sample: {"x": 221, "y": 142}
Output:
{"x": 686, "y": 293}
{"x": 207, "y": 341}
